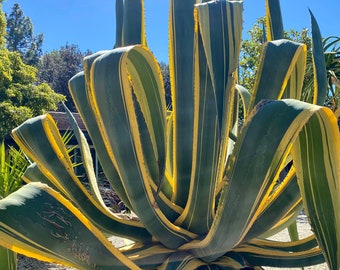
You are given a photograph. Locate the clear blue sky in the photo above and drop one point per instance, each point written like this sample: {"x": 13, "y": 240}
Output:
{"x": 90, "y": 24}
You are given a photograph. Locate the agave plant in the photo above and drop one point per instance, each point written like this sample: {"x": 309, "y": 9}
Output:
{"x": 207, "y": 194}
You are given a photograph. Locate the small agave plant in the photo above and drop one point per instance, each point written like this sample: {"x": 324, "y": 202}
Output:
{"x": 207, "y": 194}
{"x": 12, "y": 166}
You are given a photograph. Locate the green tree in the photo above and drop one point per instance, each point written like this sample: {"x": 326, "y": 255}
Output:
{"x": 20, "y": 37}
{"x": 2, "y": 28}
{"x": 21, "y": 97}
{"x": 58, "y": 66}
{"x": 250, "y": 51}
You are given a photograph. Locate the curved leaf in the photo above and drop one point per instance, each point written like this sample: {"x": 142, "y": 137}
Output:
{"x": 274, "y": 258}
{"x": 253, "y": 177}
{"x": 131, "y": 110}
{"x": 289, "y": 59}
{"x": 274, "y": 20}
{"x": 55, "y": 231}
{"x": 317, "y": 152}
{"x": 282, "y": 200}
{"x": 245, "y": 98}
{"x": 319, "y": 66}
{"x": 79, "y": 86}
{"x": 52, "y": 158}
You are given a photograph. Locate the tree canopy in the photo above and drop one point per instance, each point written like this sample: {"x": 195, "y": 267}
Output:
{"x": 2, "y": 27}
{"x": 58, "y": 66}
{"x": 21, "y": 97}
{"x": 20, "y": 37}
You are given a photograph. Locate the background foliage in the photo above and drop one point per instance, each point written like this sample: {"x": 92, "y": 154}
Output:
{"x": 20, "y": 37}
{"x": 21, "y": 96}
{"x": 58, "y": 66}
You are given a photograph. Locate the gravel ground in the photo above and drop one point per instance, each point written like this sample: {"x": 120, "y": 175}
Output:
{"x": 25, "y": 263}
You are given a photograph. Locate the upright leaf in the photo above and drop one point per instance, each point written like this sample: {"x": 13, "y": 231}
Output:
{"x": 130, "y": 25}
{"x": 215, "y": 36}
{"x": 181, "y": 39}
{"x": 274, "y": 20}
{"x": 317, "y": 165}
{"x": 319, "y": 65}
